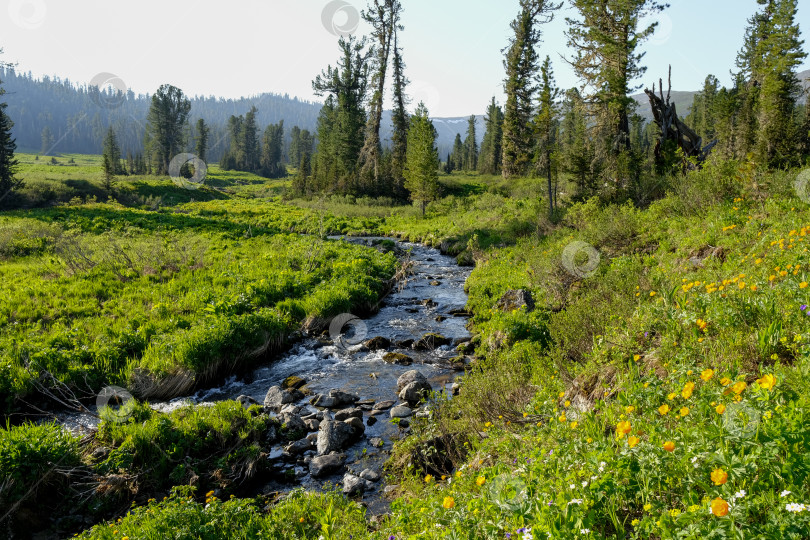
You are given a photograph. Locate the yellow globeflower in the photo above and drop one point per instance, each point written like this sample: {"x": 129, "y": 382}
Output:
{"x": 719, "y": 507}
{"x": 720, "y": 409}
{"x": 725, "y": 381}
{"x": 684, "y": 411}
{"x": 669, "y": 446}
{"x": 632, "y": 441}
{"x": 622, "y": 429}
{"x": 707, "y": 374}
{"x": 739, "y": 387}
{"x": 449, "y": 502}
{"x": 663, "y": 409}
{"x": 767, "y": 382}
{"x": 480, "y": 480}
{"x": 719, "y": 477}
{"x": 428, "y": 478}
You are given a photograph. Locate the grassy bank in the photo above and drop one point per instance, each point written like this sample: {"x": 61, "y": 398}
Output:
{"x": 656, "y": 390}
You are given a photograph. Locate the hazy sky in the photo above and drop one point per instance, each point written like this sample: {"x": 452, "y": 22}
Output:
{"x": 244, "y": 47}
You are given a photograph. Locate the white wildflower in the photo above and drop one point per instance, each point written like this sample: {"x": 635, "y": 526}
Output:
{"x": 785, "y": 493}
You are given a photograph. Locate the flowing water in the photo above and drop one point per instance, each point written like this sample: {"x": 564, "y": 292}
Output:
{"x": 421, "y": 304}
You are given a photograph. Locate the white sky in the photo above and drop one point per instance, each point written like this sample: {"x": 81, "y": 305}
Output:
{"x": 245, "y": 47}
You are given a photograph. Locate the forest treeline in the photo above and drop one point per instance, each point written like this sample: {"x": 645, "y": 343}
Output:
{"x": 591, "y": 134}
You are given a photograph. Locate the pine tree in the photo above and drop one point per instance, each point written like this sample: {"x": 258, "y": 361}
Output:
{"x": 701, "y": 116}
{"x": 343, "y": 117}
{"x": 8, "y": 163}
{"x": 470, "y": 147}
{"x": 521, "y": 71}
{"x": 250, "y": 142}
{"x": 577, "y": 152}
{"x": 166, "y": 123}
{"x": 780, "y": 53}
{"x": 111, "y": 158}
{"x": 272, "y": 151}
{"x": 295, "y": 145}
{"x": 422, "y": 163}
{"x": 201, "y": 147}
{"x": 47, "y": 141}
{"x": 458, "y": 153}
{"x": 383, "y": 16}
{"x": 606, "y": 39}
{"x": 399, "y": 121}
{"x": 545, "y": 126}
{"x": 489, "y": 160}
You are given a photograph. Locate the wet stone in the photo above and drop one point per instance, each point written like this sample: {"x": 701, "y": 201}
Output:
{"x": 401, "y": 411}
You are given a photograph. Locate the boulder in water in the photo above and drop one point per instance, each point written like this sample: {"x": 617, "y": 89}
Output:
{"x": 415, "y": 392}
{"x": 325, "y": 465}
{"x": 397, "y": 358}
{"x": 376, "y": 344}
{"x": 431, "y": 341}
{"x": 334, "y": 436}
{"x": 404, "y": 380}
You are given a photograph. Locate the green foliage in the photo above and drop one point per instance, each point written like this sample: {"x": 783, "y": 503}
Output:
{"x": 422, "y": 163}
{"x": 29, "y": 455}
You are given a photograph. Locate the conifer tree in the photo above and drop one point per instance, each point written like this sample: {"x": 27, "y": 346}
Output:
{"x": 605, "y": 39}
{"x": 521, "y": 71}
{"x": 343, "y": 117}
{"x": 489, "y": 160}
{"x": 166, "y": 124}
{"x": 422, "y": 163}
{"x": 545, "y": 126}
{"x": 779, "y": 52}
{"x": 458, "y": 153}
{"x": 399, "y": 121}
{"x": 8, "y": 145}
{"x": 47, "y": 141}
{"x": 201, "y": 147}
{"x": 470, "y": 147}
{"x": 250, "y": 142}
{"x": 111, "y": 158}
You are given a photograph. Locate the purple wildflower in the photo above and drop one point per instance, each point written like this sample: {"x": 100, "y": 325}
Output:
{"x": 804, "y": 306}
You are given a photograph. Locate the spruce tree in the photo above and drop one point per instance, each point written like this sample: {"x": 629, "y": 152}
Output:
{"x": 250, "y": 142}
{"x": 47, "y": 141}
{"x": 383, "y": 16}
{"x": 576, "y": 149}
{"x": 545, "y": 126}
{"x": 341, "y": 125}
{"x": 605, "y": 39}
{"x": 166, "y": 123}
{"x": 780, "y": 53}
{"x": 470, "y": 147}
{"x": 422, "y": 162}
{"x": 201, "y": 147}
{"x": 521, "y": 71}
{"x": 272, "y": 165}
{"x": 399, "y": 121}
{"x": 458, "y": 153}
{"x": 8, "y": 163}
{"x": 489, "y": 160}
{"x": 111, "y": 158}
